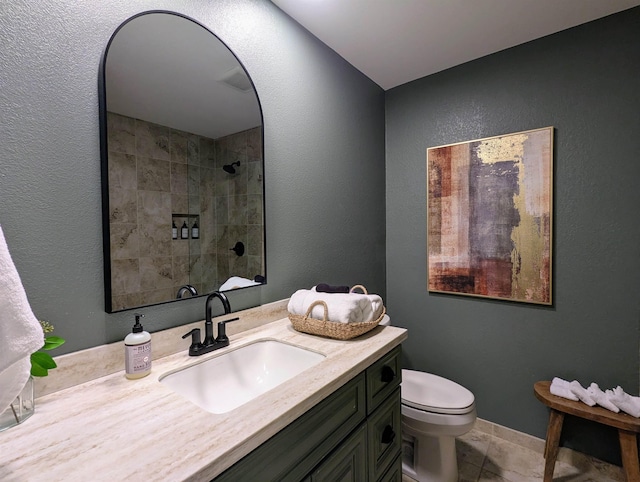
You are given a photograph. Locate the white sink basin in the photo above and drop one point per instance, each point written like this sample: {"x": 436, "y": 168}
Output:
{"x": 225, "y": 382}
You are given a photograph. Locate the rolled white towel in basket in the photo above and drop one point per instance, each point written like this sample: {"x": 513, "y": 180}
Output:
{"x": 342, "y": 307}
{"x": 376, "y": 301}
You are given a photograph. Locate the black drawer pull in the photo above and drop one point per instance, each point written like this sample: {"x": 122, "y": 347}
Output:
{"x": 388, "y": 435}
{"x": 387, "y": 374}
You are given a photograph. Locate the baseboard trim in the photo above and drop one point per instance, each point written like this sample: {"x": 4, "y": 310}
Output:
{"x": 510, "y": 435}
{"x": 536, "y": 444}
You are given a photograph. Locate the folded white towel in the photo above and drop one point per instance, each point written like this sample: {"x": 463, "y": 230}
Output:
{"x": 377, "y": 304}
{"x": 601, "y": 398}
{"x": 236, "y": 282}
{"x": 342, "y": 307}
{"x": 562, "y": 388}
{"x": 559, "y": 382}
{"x": 624, "y": 401}
{"x": 580, "y": 392}
{"x": 20, "y": 331}
{"x": 563, "y": 392}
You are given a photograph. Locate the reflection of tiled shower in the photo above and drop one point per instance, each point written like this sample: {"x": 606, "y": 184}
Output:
{"x": 158, "y": 176}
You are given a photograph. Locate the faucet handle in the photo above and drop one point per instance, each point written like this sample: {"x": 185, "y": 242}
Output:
{"x": 196, "y": 345}
{"x": 222, "y": 331}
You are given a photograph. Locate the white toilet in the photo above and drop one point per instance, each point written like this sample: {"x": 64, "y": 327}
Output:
{"x": 435, "y": 411}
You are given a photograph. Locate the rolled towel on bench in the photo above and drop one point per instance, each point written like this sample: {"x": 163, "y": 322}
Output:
{"x": 580, "y": 392}
{"x": 601, "y": 398}
{"x": 562, "y": 388}
{"x": 624, "y": 401}
{"x": 342, "y": 307}
{"x": 559, "y": 382}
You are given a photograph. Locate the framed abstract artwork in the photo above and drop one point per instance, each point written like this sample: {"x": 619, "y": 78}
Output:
{"x": 489, "y": 217}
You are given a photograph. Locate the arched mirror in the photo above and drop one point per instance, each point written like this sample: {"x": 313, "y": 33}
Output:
{"x": 182, "y": 165}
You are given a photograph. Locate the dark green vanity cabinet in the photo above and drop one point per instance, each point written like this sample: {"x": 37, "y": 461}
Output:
{"x": 352, "y": 435}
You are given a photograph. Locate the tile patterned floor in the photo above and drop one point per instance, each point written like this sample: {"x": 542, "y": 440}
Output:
{"x": 483, "y": 457}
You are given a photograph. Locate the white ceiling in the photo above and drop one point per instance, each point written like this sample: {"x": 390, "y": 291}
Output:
{"x": 396, "y": 41}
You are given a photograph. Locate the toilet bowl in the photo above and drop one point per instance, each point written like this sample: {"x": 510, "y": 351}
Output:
{"x": 435, "y": 411}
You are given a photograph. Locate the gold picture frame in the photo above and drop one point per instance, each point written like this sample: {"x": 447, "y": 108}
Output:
{"x": 490, "y": 217}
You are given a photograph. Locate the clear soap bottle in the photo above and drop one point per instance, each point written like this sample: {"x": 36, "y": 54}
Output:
{"x": 137, "y": 351}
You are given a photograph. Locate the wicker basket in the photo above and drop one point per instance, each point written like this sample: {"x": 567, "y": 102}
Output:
{"x": 332, "y": 329}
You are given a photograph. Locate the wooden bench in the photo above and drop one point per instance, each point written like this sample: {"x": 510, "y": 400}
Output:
{"x": 628, "y": 428}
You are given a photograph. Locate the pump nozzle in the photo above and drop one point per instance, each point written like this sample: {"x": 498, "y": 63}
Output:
{"x": 137, "y": 328}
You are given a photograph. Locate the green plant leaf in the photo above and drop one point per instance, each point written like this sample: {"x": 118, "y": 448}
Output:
{"x": 38, "y": 371}
{"x": 43, "y": 359}
{"x": 51, "y": 342}
{"x": 41, "y": 363}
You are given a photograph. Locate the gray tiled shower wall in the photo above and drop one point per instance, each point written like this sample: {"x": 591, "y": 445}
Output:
{"x": 156, "y": 176}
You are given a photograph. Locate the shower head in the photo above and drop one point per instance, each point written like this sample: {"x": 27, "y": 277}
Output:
{"x": 229, "y": 167}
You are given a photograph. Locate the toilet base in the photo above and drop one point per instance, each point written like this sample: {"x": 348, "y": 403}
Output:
{"x": 429, "y": 459}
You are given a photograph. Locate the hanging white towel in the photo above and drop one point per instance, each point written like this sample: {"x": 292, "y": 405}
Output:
{"x": 20, "y": 331}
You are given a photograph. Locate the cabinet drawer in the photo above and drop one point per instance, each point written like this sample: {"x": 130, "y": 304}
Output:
{"x": 348, "y": 463}
{"x": 385, "y": 436}
{"x": 294, "y": 451}
{"x": 394, "y": 474}
{"x": 383, "y": 377}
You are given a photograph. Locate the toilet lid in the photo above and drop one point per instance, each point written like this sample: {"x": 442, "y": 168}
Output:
{"x": 432, "y": 393}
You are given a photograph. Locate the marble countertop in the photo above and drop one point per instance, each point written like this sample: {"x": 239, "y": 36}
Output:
{"x": 112, "y": 428}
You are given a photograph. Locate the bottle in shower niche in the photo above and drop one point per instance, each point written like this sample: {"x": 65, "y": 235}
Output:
{"x": 195, "y": 231}
{"x": 174, "y": 230}
{"x": 137, "y": 351}
{"x": 184, "y": 231}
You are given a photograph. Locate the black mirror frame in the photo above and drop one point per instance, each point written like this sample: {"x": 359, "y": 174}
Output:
{"x": 104, "y": 163}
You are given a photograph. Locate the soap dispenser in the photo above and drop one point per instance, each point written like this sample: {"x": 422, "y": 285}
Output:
{"x": 137, "y": 351}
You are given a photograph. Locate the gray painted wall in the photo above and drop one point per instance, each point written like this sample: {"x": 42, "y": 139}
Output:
{"x": 584, "y": 82}
{"x": 324, "y": 152}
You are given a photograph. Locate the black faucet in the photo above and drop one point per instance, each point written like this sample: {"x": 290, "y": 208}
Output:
{"x": 210, "y": 343}
{"x": 186, "y": 289}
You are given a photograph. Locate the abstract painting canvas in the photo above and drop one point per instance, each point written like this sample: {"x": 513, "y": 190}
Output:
{"x": 489, "y": 209}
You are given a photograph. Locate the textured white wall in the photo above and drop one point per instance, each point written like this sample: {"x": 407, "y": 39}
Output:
{"x": 324, "y": 157}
